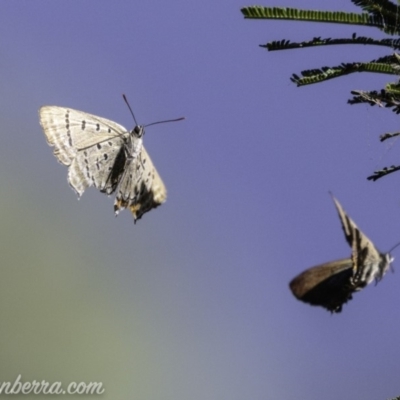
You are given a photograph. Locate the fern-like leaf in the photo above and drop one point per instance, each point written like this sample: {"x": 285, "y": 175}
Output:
{"x": 388, "y": 135}
{"x": 383, "y": 172}
{"x": 382, "y": 99}
{"x": 384, "y": 9}
{"x": 382, "y": 14}
{"x": 317, "y": 41}
{"x": 325, "y": 73}
{"x": 338, "y": 17}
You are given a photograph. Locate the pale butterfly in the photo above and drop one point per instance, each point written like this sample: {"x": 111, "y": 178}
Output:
{"x": 332, "y": 284}
{"x": 103, "y": 154}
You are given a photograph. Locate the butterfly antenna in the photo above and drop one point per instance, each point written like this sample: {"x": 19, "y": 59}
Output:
{"x": 167, "y": 120}
{"x": 396, "y": 245}
{"x": 130, "y": 109}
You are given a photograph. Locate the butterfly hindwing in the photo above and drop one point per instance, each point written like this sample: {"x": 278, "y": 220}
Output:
{"x": 140, "y": 187}
{"x": 327, "y": 285}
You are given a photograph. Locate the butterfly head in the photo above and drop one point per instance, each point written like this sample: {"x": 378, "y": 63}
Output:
{"x": 389, "y": 259}
{"x": 384, "y": 266}
{"x": 388, "y": 262}
{"x": 138, "y": 131}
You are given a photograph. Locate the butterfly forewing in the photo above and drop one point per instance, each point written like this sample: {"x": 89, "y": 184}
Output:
{"x": 71, "y": 130}
{"x": 368, "y": 263}
{"x": 103, "y": 154}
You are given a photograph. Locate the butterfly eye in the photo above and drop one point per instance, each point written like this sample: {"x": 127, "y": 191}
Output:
{"x": 138, "y": 131}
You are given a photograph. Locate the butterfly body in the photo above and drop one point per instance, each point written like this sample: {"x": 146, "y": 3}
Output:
{"x": 332, "y": 284}
{"x": 103, "y": 154}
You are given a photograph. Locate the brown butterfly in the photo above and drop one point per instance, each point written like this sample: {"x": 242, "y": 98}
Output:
{"x": 332, "y": 284}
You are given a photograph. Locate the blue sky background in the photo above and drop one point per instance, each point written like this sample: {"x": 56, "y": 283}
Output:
{"x": 192, "y": 302}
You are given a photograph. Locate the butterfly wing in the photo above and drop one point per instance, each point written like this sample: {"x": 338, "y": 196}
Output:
{"x": 327, "y": 285}
{"x": 332, "y": 284}
{"x": 140, "y": 188}
{"x": 368, "y": 263}
{"x": 88, "y": 144}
